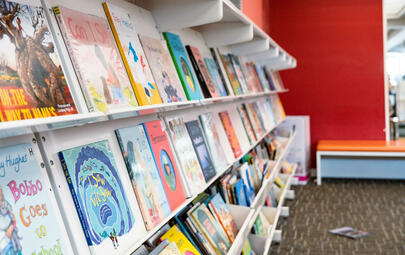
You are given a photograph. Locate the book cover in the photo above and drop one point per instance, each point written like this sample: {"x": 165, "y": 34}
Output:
{"x": 37, "y": 90}
{"x": 230, "y": 132}
{"x": 269, "y": 79}
{"x": 158, "y": 249}
{"x": 171, "y": 249}
{"x": 254, "y": 119}
{"x": 204, "y": 78}
{"x": 216, "y": 77}
{"x": 255, "y": 76}
{"x": 247, "y": 248}
{"x": 200, "y": 149}
{"x": 247, "y": 125}
{"x": 28, "y": 219}
{"x": 163, "y": 70}
{"x": 269, "y": 109}
{"x": 262, "y": 78}
{"x": 239, "y": 189}
{"x": 216, "y": 55}
{"x": 132, "y": 54}
{"x": 237, "y": 88}
{"x": 144, "y": 175}
{"x": 165, "y": 162}
{"x": 187, "y": 157}
{"x": 96, "y": 60}
{"x": 183, "y": 66}
{"x": 184, "y": 245}
{"x": 224, "y": 216}
{"x": 239, "y": 74}
{"x": 204, "y": 245}
{"x": 212, "y": 136}
{"x": 249, "y": 77}
{"x": 98, "y": 194}
{"x": 211, "y": 229}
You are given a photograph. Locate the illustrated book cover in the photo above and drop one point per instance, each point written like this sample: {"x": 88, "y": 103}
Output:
{"x": 132, "y": 54}
{"x": 233, "y": 78}
{"x": 37, "y": 90}
{"x": 201, "y": 149}
{"x": 219, "y": 208}
{"x": 254, "y": 119}
{"x": 216, "y": 77}
{"x": 165, "y": 162}
{"x": 96, "y": 60}
{"x": 183, "y": 66}
{"x": 187, "y": 157}
{"x": 239, "y": 74}
{"x": 207, "y": 85}
{"x": 163, "y": 70}
{"x": 144, "y": 175}
{"x": 184, "y": 245}
{"x": 246, "y": 124}
{"x": 231, "y": 134}
{"x": 98, "y": 194}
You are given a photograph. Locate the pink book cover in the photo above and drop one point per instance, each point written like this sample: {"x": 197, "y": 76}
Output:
{"x": 165, "y": 162}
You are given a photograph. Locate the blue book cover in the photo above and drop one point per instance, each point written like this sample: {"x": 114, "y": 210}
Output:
{"x": 216, "y": 77}
{"x": 183, "y": 66}
{"x": 269, "y": 79}
{"x": 240, "y": 193}
{"x": 262, "y": 78}
{"x": 96, "y": 188}
{"x": 201, "y": 150}
{"x": 144, "y": 175}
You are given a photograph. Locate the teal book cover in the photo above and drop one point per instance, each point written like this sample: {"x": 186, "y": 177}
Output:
{"x": 240, "y": 193}
{"x": 183, "y": 66}
{"x": 97, "y": 191}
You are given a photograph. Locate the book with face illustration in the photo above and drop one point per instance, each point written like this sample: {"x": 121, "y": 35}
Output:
{"x": 96, "y": 60}
{"x": 183, "y": 66}
{"x": 230, "y": 133}
{"x": 165, "y": 161}
{"x": 144, "y": 175}
{"x": 187, "y": 157}
{"x": 163, "y": 70}
{"x": 132, "y": 54}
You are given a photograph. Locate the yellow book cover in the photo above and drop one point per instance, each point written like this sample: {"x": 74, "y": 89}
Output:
{"x": 171, "y": 249}
{"x": 184, "y": 245}
{"x": 279, "y": 182}
{"x": 132, "y": 54}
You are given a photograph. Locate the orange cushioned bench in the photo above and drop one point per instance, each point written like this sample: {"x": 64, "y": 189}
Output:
{"x": 360, "y": 159}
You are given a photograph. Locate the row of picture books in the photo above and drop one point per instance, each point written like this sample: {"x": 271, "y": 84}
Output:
{"x": 116, "y": 68}
{"x": 207, "y": 225}
{"x": 166, "y": 161}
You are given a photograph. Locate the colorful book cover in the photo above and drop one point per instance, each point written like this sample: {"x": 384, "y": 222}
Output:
{"x": 132, "y": 54}
{"x": 246, "y": 124}
{"x": 215, "y": 147}
{"x": 96, "y": 60}
{"x": 262, "y": 78}
{"x": 165, "y": 162}
{"x": 211, "y": 229}
{"x": 204, "y": 78}
{"x": 224, "y": 216}
{"x": 240, "y": 193}
{"x": 216, "y": 55}
{"x": 28, "y": 219}
{"x": 269, "y": 79}
{"x": 183, "y": 66}
{"x": 256, "y": 80}
{"x": 37, "y": 90}
{"x": 249, "y": 77}
{"x": 254, "y": 119}
{"x": 247, "y": 248}
{"x": 144, "y": 175}
{"x": 259, "y": 113}
{"x": 230, "y": 133}
{"x": 269, "y": 109}
{"x": 187, "y": 157}
{"x": 216, "y": 77}
{"x": 237, "y": 88}
{"x": 200, "y": 149}
{"x": 184, "y": 245}
{"x": 171, "y": 249}
{"x": 98, "y": 194}
{"x": 164, "y": 72}
{"x": 239, "y": 74}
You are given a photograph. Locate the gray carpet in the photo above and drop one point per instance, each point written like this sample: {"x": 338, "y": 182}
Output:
{"x": 375, "y": 206}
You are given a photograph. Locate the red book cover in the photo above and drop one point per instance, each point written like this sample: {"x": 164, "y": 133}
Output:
{"x": 165, "y": 162}
{"x": 230, "y": 133}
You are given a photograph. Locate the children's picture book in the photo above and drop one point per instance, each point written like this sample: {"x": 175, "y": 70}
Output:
{"x": 213, "y": 142}
{"x": 269, "y": 79}
{"x": 233, "y": 78}
{"x": 211, "y": 229}
{"x": 184, "y": 245}
{"x": 164, "y": 72}
{"x": 187, "y": 157}
{"x": 165, "y": 162}
{"x": 96, "y": 188}
{"x": 201, "y": 149}
{"x": 230, "y": 132}
{"x": 204, "y": 77}
{"x": 132, "y": 54}
{"x": 171, "y": 249}
{"x": 216, "y": 77}
{"x": 219, "y": 208}
{"x": 144, "y": 175}
{"x": 96, "y": 60}
{"x": 262, "y": 78}
{"x": 27, "y": 214}
{"x": 239, "y": 74}
{"x": 247, "y": 248}
{"x": 247, "y": 125}
{"x": 38, "y": 89}
{"x": 183, "y": 66}
{"x": 240, "y": 193}
{"x": 160, "y": 247}
{"x": 254, "y": 119}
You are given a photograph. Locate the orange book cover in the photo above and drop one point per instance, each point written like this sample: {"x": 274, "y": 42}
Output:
{"x": 230, "y": 133}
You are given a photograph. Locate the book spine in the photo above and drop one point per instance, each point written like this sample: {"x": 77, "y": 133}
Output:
{"x": 200, "y": 236}
{"x": 75, "y": 200}
{"x": 85, "y": 91}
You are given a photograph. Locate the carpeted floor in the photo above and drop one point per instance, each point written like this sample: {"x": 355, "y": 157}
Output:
{"x": 370, "y": 205}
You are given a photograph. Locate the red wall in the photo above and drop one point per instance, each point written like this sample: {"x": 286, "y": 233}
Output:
{"x": 339, "y": 80}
